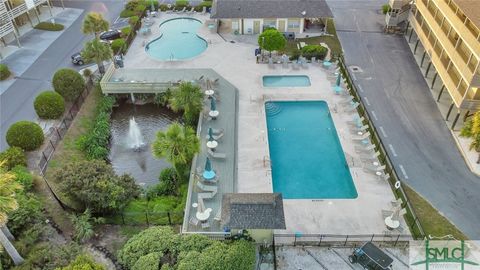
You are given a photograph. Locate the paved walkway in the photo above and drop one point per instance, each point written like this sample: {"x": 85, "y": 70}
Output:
{"x": 404, "y": 110}
{"x": 236, "y": 63}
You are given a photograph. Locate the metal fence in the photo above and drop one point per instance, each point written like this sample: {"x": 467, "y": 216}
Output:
{"x": 340, "y": 240}
{"x": 146, "y": 218}
{"x": 395, "y": 183}
{"x": 56, "y": 134}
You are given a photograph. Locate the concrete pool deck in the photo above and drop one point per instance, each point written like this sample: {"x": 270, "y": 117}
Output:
{"x": 236, "y": 63}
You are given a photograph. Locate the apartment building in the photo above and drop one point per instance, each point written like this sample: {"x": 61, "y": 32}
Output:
{"x": 14, "y": 13}
{"x": 446, "y": 34}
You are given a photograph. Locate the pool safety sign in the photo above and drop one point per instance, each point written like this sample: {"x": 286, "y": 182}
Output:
{"x": 445, "y": 255}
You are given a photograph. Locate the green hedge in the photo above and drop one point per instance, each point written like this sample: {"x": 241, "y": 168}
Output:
{"x": 26, "y": 135}
{"x": 49, "y": 105}
{"x": 126, "y": 31}
{"x": 95, "y": 144}
{"x": 126, "y": 13}
{"x": 12, "y": 157}
{"x": 4, "y": 72}
{"x": 68, "y": 83}
{"x": 118, "y": 46}
{"x": 133, "y": 20}
{"x": 48, "y": 26}
{"x": 316, "y": 51}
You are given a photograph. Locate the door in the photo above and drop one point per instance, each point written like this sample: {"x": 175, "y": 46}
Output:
{"x": 256, "y": 27}
{"x": 281, "y": 25}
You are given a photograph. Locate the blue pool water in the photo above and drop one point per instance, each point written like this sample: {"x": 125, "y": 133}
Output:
{"x": 178, "y": 40}
{"x": 305, "y": 152}
{"x": 286, "y": 80}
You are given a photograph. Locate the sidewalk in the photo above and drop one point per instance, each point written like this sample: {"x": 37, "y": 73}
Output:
{"x": 34, "y": 43}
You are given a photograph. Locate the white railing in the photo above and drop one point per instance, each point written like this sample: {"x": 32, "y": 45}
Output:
{"x": 6, "y": 29}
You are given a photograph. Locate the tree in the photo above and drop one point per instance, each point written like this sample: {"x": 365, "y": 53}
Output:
{"x": 95, "y": 185}
{"x": 271, "y": 40}
{"x": 177, "y": 145}
{"x": 472, "y": 130}
{"x": 83, "y": 225}
{"x": 8, "y": 203}
{"x": 97, "y": 52}
{"x": 189, "y": 99}
{"x": 68, "y": 83}
{"x": 94, "y": 23}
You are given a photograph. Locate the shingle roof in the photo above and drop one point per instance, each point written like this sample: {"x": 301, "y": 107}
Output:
{"x": 223, "y": 9}
{"x": 253, "y": 211}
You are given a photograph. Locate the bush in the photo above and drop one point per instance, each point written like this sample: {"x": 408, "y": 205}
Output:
{"x": 203, "y": 4}
{"x": 163, "y": 7}
{"x": 4, "y": 72}
{"x": 126, "y": 13}
{"x": 140, "y": 9}
{"x": 271, "y": 40}
{"x": 118, "y": 46}
{"x": 48, "y": 26}
{"x": 316, "y": 51}
{"x": 83, "y": 262}
{"x": 133, "y": 20}
{"x": 386, "y": 8}
{"x": 68, "y": 83}
{"x": 148, "y": 4}
{"x": 181, "y": 3}
{"x": 26, "y": 135}
{"x": 50, "y": 256}
{"x": 12, "y": 157}
{"x": 23, "y": 176}
{"x": 295, "y": 54}
{"x": 126, "y": 31}
{"x": 95, "y": 143}
{"x": 96, "y": 186}
{"x": 29, "y": 212}
{"x": 49, "y": 105}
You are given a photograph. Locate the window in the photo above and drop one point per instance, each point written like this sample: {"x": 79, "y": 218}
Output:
{"x": 269, "y": 23}
{"x": 293, "y": 23}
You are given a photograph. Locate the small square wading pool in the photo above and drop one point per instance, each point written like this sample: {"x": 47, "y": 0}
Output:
{"x": 306, "y": 155}
{"x": 286, "y": 81}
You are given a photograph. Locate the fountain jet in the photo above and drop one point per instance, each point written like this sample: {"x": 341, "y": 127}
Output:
{"x": 134, "y": 139}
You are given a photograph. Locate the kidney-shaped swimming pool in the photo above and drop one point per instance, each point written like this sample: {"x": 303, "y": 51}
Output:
{"x": 178, "y": 40}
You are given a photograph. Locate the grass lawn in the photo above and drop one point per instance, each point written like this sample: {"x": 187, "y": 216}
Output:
{"x": 332, "y": 41}
{"x": 432, "y": 222}
{"x": 67, "y": 150}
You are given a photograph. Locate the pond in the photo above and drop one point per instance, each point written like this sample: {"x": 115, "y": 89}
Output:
{"x": 134, "y": 128}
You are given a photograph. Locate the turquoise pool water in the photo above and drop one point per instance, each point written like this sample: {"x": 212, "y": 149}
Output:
{"x": 306, "y": 156}
{"x": 286, "y": 81}
{"x": 178, "y": 40}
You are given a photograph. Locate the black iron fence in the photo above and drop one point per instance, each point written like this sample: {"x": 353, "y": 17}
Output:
{"x": 340, "y": 240}
{"x": 395, "y": 183}
{"x": 147, "y": 218}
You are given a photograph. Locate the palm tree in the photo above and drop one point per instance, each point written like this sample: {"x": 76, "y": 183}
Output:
{"x": 98, "y": 52}
{"x": 177, "y": 145}
{"x": 8, "y": 203}
{"x": 83, "y": 225}
{"x": 94, "y": 23}
{"x": 471, "y": 129}
{"x": 189, "y": 99}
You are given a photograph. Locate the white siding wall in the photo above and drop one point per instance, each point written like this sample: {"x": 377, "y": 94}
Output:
{"x": 248, "y": 24}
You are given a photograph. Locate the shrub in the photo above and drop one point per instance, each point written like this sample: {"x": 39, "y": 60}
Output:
{"x": 386, "y": 8}
{"x": 26, "y": 135}
{"x": 95, "y": 185}
{"x": 295, "y": 54}
{"x": 12, "y": 157}
{"x": 118, "y": 46}
{"x": 206, "y": 4}
{"x": 68, "y": 83}
{"x": 181, "y": 3}
{"x": 48, "y": 26}
{"x": 23, "y": 176}
{"x": 148, "y": 4}
{"x": 49, "y": 105}
{"x": 126, "y": 13}
{"x": 126, "y": 31}
{"x": 29, "y": 212}
{"x": 83, "y": 262}
{"x": 316, "y": 51}
{"x": 140, "y": 9}
{"x": 163, "y": 7}
{"x": 47, "y": 255}
{"x": 133, "y": 20}
{"x": 95, "y": 143}
{"x": 4, "y": 72}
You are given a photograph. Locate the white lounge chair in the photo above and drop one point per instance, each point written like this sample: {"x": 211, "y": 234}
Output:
{"x": 357, "y": 129}
{"x": 216, "y": 154}
{"x": 205, "y": 225}
{"x": 183, "y": 10}
{"x": 191, "y": 11}
{"x": 207, "y": 195}
{"x": 365, "y": 149}
{"x": 356, "y": 121}
{"x": 216, "y": 137}
{"x": 373, "y": 169}
{"x": 361, "y": 138}
{"x": 218, "y": 216}
{"x": 373, "y": 156}
{"x": 204, "y": 10}
{"x": 346, "y": 100}
{"x": 352, "y": 108}
{"x": 386, "y": 176}
{"x": 205, "y": 188}
{"x": 194, "y": 221}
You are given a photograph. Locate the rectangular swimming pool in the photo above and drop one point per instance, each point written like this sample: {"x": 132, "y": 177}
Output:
{"x": 306, "y": 156}
{"x": 286, "y": 81}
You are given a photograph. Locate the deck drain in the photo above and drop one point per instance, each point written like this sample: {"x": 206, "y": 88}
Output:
{"x": 355, "y": 69}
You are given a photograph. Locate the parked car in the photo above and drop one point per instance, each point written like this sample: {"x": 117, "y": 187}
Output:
{"x": 77, "y": 59}
{"x": 110, "y": 35}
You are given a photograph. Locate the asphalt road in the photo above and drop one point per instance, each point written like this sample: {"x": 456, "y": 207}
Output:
{"x": 16, "y": 103}
{"x": 404, "y": 111}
